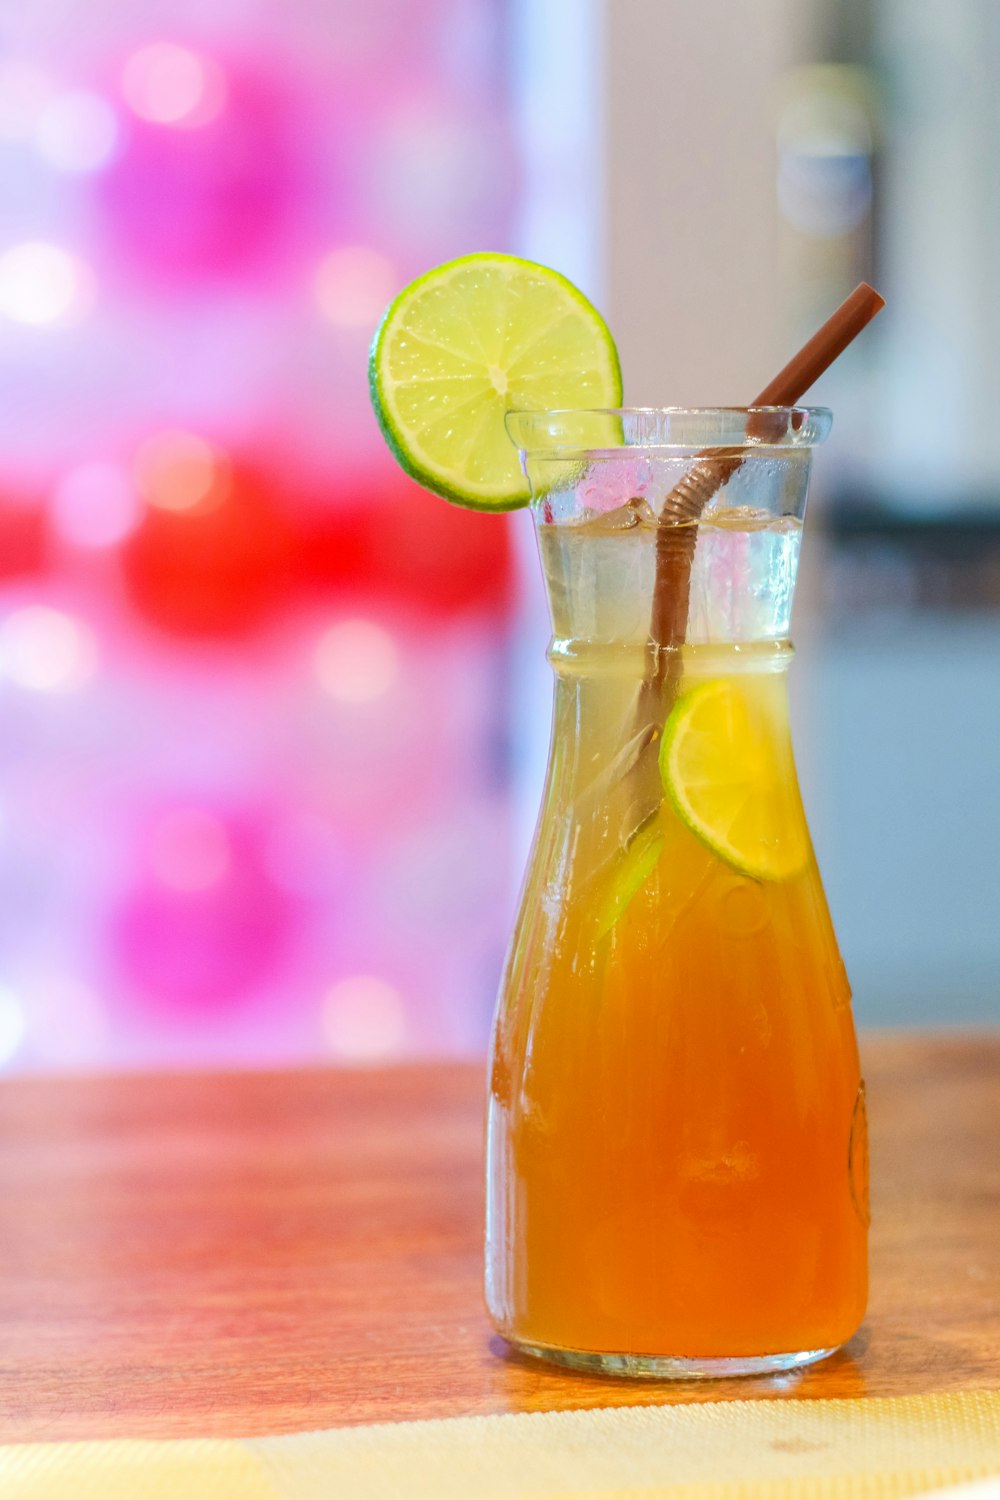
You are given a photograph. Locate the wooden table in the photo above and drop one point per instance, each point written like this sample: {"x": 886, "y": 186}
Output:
{"x": 204, "y": 1255}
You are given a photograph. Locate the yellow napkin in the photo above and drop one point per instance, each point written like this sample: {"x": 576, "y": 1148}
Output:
{"x": 731, "y": 1450}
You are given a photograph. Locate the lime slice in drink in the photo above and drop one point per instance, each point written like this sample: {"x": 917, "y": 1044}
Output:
{"x": 468, "y": 342}
{"x": 631, "y": 875}
{"x": 727, "y": 768}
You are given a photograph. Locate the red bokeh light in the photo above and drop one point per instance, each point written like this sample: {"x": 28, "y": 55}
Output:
{"x": 217, "y": 568}
{"x": 388, "y": 535}
{"x": 23, "y": 537}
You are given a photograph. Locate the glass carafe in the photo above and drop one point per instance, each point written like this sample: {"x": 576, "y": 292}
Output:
{"x": 677, "y": 1152}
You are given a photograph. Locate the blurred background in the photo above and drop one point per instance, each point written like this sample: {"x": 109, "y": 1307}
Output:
{"x": 273, "y": 720}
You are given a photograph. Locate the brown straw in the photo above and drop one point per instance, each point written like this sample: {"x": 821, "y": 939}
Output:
{"x": 826, "y": 345}
{"x": 677, "y": 530}
{"x": 675, "y": 542}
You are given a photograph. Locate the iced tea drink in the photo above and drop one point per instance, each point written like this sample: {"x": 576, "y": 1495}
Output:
{"x": 677, "y": 1153}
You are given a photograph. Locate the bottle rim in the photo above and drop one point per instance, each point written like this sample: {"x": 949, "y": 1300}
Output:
{"x": 672, "y": 429}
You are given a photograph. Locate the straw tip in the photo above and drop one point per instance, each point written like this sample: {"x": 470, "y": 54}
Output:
{"x": 874, "y": 298}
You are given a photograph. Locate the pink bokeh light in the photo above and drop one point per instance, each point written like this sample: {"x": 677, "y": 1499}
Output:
{"x": 253, "y": 787}
{"x": 204, "y": 922}
{"x": 211, "y": 170}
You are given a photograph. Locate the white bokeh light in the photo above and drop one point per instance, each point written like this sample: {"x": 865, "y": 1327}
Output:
{"x": 70, "y": 1026}
{"x": 171, "y": 85}
{"x": 181, "y": 471}
{"x": 43, "y": 284}
{"x": 95, "y": 505}
{"x": 13, "y": 1024}
{"x": 46, "y": 651}
{"x": 353, "y": 286}
{"x": 364, "y": 1019}
{"x": 189, "y": 850}
{"x": 24, "y": 91}
{"x": 77, "y": 132}
{"x": 356, "y": 661}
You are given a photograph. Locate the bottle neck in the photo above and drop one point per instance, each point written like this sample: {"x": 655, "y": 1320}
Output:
{"x": 733, "y": 585}
{"x": 572, "y": 657}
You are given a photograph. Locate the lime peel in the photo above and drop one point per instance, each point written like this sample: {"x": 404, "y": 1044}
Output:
{"x": 747, "y": 812}
{"x": 630, "y": 877}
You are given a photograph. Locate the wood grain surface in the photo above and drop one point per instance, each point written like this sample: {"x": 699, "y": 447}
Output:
{"x": 205, "y": 1255}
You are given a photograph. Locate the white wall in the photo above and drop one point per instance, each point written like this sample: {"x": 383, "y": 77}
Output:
{"x": 691, "y": 233}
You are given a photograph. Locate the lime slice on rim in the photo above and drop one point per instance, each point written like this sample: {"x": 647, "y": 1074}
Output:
{"x": 468, "y": 342}
{"x": 727, "y": 768}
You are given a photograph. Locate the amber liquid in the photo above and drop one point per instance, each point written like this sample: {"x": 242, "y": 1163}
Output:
{"x": 677, "y": 1152}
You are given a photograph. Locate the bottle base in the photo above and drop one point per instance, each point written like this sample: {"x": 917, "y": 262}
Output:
{"x": 671, "y": 1367}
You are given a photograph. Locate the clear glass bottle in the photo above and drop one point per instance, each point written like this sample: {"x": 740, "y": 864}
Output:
{"x": 677, "y": 1154}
